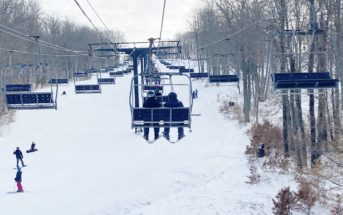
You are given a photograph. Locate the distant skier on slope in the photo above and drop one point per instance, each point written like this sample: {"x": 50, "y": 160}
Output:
{"x": 33, "y": 148}
{"x": 19, "y": 155}
{"x": 18, "y": 180}
{"x": 173, "y": 102}
{"x": 151, "y": 102}
{"x": 261, "y": 152}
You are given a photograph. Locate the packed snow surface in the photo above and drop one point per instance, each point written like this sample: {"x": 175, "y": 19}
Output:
{"x": 90, "y": 162}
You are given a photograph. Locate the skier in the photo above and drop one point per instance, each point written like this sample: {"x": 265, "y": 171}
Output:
{"x": 172, "y": 103}
{"x": 193, "y": 95}
{"x": 151, "y": 102}
{"x": 19, "y": 155}
{"x": 18, "y": 180}
{"x": 196, "y": 93}
{"x": 64, "y": 93}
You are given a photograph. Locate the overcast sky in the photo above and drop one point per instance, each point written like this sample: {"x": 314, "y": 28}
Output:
{"x": 137, "y": 19}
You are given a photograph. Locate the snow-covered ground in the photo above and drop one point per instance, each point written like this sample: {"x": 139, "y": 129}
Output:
{"x": 90, "y": 162}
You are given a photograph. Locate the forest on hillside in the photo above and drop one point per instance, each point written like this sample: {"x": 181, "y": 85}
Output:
{"x": 63, "y": 43}
{"x": 256, "y": 39}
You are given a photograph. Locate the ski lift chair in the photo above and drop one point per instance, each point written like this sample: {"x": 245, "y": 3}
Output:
{"x": 163, "y": 116}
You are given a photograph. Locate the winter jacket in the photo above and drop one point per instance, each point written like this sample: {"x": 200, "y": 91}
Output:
{"x": 172, "y": 101}
{"x": 18, "y": 154}
{"x": 151, "y": 103}
{"x": 18, "y": 176}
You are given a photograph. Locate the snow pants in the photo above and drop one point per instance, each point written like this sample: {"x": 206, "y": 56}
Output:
{"x": 20, "y": 188}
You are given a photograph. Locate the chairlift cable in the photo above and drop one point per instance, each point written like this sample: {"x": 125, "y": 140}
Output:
{"x": 41, "y": 41}
{"x": 96, "y": 13}
{"x": 46, "y": 44}
{"x": 34, "y": 53}
{"x": 162, "y": 22}
{"x": 90, "y": 20}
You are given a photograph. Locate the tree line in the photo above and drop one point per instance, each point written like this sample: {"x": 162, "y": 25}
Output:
{"x": 256, "y": 38}
{"x": 20, "y": 19}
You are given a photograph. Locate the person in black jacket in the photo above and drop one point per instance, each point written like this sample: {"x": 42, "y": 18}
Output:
{"x": 173, "y": 102}
{"x": 18, "y": 180}
{"x": 19, "y": 155}
{"x": 151, "y": 102}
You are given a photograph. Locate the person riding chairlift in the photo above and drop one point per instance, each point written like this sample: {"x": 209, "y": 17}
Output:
{"x": 173, "y": 102}
{"x": 151, "y": 102}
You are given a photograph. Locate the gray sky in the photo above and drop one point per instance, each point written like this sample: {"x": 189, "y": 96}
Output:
{"x": 137, "y": 19}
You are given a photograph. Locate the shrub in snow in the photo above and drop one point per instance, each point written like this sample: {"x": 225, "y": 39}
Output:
{"x": 254, "y": 177}
{"x": 306, "y": 196}
{"x": 337, "y": 208}
{"x": 266, "y": 134}
{"x": 230, "y": 111}
{"x": 283, "y": 202}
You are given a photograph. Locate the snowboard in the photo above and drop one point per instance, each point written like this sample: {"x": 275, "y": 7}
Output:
{"x": 13, "y": 192}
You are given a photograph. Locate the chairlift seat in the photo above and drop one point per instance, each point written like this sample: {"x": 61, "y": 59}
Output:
{"x": 117, "y": 74}
{"x": 93, "y": 70}
{"x": 106, "y": 80}
{"x": 58, "y": 81}
{"x": 199, "y": 75}
{"x": 222, "y": 78}
{"x": 18, "y": 88}
{"x": 176, "y": 67}
{"x": 185, "y": 70}
{"x": 88, "y": 88}
{"x": 161, "y": 117}
{"x": 303, "y": 80}
{"x": 31, "y": 100}
{"x": 153, "y": 88}
{"x": 80, "y": 74}
{"x": 301, "y": 32}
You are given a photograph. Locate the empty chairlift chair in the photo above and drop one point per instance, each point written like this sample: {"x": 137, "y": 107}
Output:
{"x": 223, "y": 79}
{"x": 106, "y": 80}
{"x": 199, "y": 75}
{"x": 85, "y": 88}
{"x": 21, "y": 97}
{"x": 316, "y": 80}
{"x": 59, "y": 81}
{"x": 117, "y": 74}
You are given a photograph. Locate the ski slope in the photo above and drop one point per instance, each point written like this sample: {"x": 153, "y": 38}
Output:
{"x": 90, "y": 162}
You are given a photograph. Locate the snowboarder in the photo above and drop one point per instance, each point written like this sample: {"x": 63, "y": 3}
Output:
{"x": 19, "y": 155}
{"x": 172, "y": 103}
{"x": 18, "y": 180}
{"x": 33, "y": 148}
{"x": 151, "y": 102}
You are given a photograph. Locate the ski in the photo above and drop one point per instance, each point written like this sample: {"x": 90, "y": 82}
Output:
{"x": 174, "y": 141}
{"x": 20, "y": 167}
